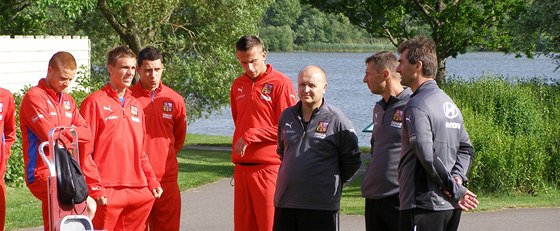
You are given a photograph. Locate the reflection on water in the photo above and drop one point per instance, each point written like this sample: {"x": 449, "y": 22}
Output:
{"x": 345, "y": 90}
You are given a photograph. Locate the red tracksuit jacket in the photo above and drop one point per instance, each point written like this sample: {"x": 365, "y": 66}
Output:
{"x": 166, "y": 128}
{"x": 115, "y": 158}
{"x": 256, "y": 106}
{"x": 41, "y": 110}
{"x": 7, "y": 127}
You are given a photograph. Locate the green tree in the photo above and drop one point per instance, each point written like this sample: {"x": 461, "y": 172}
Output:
{"x": 537, "y": 29}
{"x": 277, "y": 38}
{"x": 197, "y": 37}
{"x": 282, "y": 12}
{"x": 453, "y": 25}
{"x": 310, "y": 27}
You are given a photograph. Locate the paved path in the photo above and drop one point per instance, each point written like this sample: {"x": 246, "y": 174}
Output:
{"x": 210, "y": 208}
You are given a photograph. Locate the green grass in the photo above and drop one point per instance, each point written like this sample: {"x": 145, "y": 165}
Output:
{"x": 22, "y": 209}
{"x": 352, "y": 201}
{"x": 197, "y": 167}
{"x": 196, "y": 139}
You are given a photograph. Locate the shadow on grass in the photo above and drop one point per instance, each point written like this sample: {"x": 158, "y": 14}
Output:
{"x": 199, "y": 167}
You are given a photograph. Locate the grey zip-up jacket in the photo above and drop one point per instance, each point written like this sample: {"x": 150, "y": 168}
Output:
{"x": 435, "y": 147}
{"x": 317, "y": 158}
{"x": 380, "y": 180}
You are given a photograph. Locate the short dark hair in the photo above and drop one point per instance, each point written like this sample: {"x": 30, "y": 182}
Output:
{"x": 384, "y": 59}
{"x": 119, "y": 52}
{"x": 63, "y": 60}
{"x": 421, "y": 49}
{"x": 149, "y": 53}
{"x": 247, "y": 42}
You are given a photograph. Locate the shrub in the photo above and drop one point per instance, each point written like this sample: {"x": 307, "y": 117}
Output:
{"x": 510, "y": 123}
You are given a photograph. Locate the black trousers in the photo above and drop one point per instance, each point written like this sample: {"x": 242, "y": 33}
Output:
{"x": 428, "y": 220}
{"x": 382, "y": 214}
{"x": 287, "y": 219}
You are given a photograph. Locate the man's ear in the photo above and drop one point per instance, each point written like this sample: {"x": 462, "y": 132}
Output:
{"x": 386, "y": 74}
{"x": 419, "y": 66}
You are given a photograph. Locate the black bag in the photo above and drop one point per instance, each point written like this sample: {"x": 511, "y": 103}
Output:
{"x": 70, "y": 181}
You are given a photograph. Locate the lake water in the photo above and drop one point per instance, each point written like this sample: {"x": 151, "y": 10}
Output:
{"x": 345, "y": 90}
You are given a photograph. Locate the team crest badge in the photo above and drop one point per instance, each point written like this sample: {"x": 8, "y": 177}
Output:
{"x": 267, "y": 89}
{"x": 397, "y": 117}
{"x": 1, "y": 107}
{"x": 167, "y": 106}
{"x": 133, "y": 110}
{"x": 67, "y": 105}
{"x": 322, "y": 127}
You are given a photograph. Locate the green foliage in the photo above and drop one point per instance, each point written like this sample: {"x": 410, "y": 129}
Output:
{"x": 509, "y": 123}
{"x": 453, "y": 25}
{"x": 277, "y": 38}
{"x": 197, "y": 38}
{"x": 21, "y": 18}
{"x": 14, "y": 169}
{"x": 373, "y": 45}
{"x": 287, "y": 24}
{"x": 536, "y": 29}
{"x": 282, "y": 13}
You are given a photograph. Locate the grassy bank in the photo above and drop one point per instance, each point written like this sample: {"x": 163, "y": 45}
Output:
{"x": 347, "y": 47}
{"x": 353, "y": 203}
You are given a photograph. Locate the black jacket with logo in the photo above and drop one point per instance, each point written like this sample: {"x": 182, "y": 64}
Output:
{"x": 317, "y": 158}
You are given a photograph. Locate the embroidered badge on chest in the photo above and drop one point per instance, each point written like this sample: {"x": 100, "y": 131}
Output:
{"x": 397, "y": 119}
{"x": 267, "y": 89}
{"x": 67, "y": 105}
{"x": 322, "y": 127}
{"x": 133, "y": 110}
{"x": 167, "y": 106}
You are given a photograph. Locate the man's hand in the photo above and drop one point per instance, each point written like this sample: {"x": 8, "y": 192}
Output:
{"x": 101, "y": 200}
{"x": 157, "y": 192}
{"x": 240, "y": 146}
{"x": 468, "y": 201}
{"x": 458, "y": 180}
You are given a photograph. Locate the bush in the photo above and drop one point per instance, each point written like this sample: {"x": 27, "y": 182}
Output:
{"x": 510, "y": 123}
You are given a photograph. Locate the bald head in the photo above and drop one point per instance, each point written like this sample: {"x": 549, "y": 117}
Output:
{"x": 314, "y": 71}
{"x": 312, "y": 86}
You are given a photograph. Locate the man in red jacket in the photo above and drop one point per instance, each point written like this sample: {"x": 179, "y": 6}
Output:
{"x": 166, "y": 127}
{"x": 44, "y": 107}
{"x": 119, "y": 175}
{"x": 257, "y": 99}
{"x": 8, "y": 134}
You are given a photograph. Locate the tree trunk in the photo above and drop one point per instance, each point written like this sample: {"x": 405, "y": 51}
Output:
{"x": 440, "y": 75}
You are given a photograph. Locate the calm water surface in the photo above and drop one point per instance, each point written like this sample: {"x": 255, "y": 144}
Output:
{"x": 345, "y": 90}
